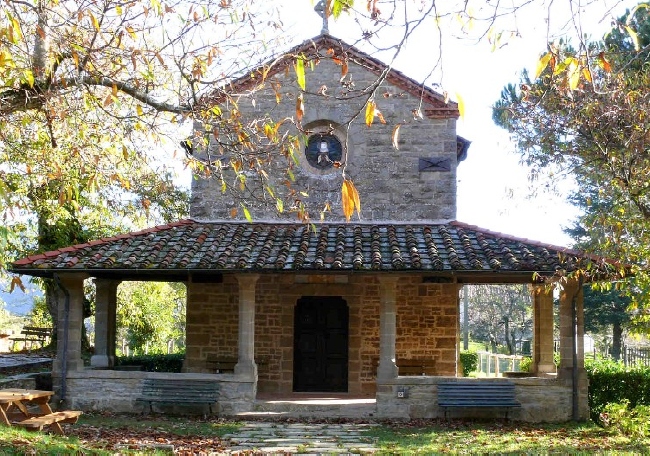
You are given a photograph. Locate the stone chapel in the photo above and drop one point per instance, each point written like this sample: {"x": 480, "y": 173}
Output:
{"x": 278, "y": 307}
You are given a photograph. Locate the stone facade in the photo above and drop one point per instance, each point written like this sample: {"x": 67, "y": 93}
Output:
{"x": 388, "y": 180}
{"x": 427, "y": 325}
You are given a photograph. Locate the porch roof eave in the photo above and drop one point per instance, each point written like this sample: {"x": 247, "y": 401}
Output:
{"x": 215, "y": 275}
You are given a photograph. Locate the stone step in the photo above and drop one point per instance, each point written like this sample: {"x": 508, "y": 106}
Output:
{"x": 315, "y": 407}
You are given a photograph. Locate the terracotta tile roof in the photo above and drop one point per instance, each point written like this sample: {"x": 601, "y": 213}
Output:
{"x": 191, "y": 246}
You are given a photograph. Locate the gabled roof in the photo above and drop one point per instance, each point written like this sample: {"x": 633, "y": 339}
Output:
{"x": 325, "y": 47}
{"x": 191, "y": 247}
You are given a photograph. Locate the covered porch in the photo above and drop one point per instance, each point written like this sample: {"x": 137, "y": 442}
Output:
{"x": 547, "y": 395}
{"x": 403, "y": 304}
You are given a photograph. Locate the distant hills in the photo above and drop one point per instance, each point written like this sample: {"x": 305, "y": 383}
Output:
{"x": 19, "y": 303}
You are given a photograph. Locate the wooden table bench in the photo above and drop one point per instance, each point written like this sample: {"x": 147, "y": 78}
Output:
{"x": 31, "y": 334}
{"x": 477, "y": 394}
{"x": 14, "y": 410}
{"x": 179, "y": 392}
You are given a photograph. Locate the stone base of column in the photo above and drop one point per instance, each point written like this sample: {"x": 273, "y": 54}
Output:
{"x": 387, "y": 370}
{"x": 545, "y": 368}
{"x": 246, "y": 368}
{"x": 102, "y": 361}
{"x": 73, "y": 365}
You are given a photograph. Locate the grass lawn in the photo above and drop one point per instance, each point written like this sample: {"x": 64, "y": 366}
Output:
{"x": 110, "y": 434}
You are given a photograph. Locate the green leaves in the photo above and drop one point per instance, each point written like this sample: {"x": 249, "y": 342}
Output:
{"x": 336, "y": 7}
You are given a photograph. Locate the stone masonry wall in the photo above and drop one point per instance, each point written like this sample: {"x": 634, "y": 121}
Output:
{"x": 388, "y": 180}
{"x": 427, "y": 324}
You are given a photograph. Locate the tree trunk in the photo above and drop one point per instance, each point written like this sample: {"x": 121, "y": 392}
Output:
{"x": 617, "y": 340}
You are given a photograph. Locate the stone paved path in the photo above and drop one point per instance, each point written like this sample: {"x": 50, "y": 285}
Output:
{"x": 301, "y": 438}
{"x": 9, "y": 361}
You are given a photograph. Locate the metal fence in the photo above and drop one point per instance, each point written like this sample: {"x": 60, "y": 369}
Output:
{"x": 493, "y": 365}
{"x": 636, "y": 355}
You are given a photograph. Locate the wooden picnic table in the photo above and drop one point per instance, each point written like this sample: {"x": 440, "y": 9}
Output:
{"x": 15, "y": 405}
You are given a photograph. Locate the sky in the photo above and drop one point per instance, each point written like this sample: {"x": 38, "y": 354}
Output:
{"x": 493, "y": 187}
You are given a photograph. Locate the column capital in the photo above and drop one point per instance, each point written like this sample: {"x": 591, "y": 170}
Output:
{"x": 247, "y": 280}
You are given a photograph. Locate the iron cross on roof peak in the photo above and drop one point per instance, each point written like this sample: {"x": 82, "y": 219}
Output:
{"x": 320, "y": 10}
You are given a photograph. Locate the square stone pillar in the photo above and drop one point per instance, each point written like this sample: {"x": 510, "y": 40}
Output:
{"x": 70, "y": 322}
{"x": 543, "y": 362}
{"x": 570, "y": 295}
{"x": 571, "y": 291}
{"x": 387, "y": 368}
{"x": 105, "y": 324}
{"x": 246, "y": 343}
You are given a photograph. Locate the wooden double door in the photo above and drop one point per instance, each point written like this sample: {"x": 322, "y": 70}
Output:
{"x": 320, "y": 360}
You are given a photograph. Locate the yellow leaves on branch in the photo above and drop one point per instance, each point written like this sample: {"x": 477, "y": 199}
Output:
{"x": 572, "y": 68}
{"x": 350, "y": 199}
{"x": 300, "y": 72}
{"x": 543, "y": 63}
{"x": 372, "y": 111}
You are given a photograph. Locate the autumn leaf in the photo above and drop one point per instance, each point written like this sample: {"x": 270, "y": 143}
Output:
{"x": 461, "y": 105}
{"x": 139, "y": 110}
{"x": 247, "y": 214}
{"x": 16, "y": 282}
{"x": 370, "y": 112}
{"x": 542, "y": 64}
{"x": 300, "y": 108}
{"x": 94, "y": 20}
{"x": 29, "y": 77}
{"x": 350, "y": 199}
{"x": 604, "y": 64}
{"x": 131, "y": 32}
{"x": 395, "y": 136}
{"x": 573, "y": 73}
{"x": 344, "y": 69}
{"x": 300, "y": 72}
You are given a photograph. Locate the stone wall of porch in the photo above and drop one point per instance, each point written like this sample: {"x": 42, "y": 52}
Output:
{"x": 426, "y": 324}
{"x": 542, "y": 399}
{"x": 76, "y": 384}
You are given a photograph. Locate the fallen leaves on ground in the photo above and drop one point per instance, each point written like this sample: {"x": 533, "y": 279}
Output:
{"x": 138, "y": 439}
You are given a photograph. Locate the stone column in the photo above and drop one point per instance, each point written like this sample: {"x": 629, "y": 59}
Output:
{"x": 105, "y": 323}
{"x": 571, "y": 291}
{"x": 387, "y": 368}
{"x": 543, "y": 362}
{"x": 70, "y": 315}
{"x": 246, "y": 362}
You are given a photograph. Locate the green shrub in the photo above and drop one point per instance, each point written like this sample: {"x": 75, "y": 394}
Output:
{"x": 611, "y": 382}
{"x": 525, "y": 364}
{"x": 154, "y": 363}
{"x": 633, "y": 423}
{"x": 468, "y": 361}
